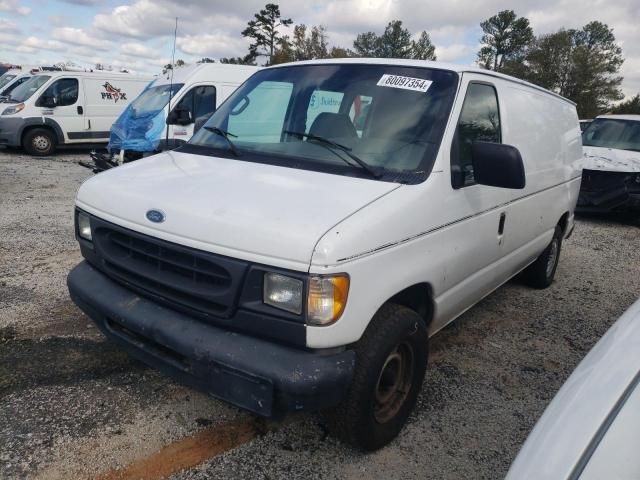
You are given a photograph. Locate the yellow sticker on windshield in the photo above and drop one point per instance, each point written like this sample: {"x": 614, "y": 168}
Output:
{"x": 406, "y": 83}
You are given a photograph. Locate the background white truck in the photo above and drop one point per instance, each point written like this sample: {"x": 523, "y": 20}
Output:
{"x": 56, "y": 108}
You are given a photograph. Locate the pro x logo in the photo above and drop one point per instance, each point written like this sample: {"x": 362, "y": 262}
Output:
{"x": 112, "y": 93}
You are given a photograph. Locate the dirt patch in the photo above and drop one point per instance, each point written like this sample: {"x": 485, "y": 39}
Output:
{"x": 188, "y": 452}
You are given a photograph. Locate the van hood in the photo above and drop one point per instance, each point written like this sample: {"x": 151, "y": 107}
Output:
{"x": 261, "y": 213}
{"x": 611, "y": 160}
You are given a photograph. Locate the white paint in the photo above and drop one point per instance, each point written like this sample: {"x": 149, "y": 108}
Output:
{"x": 97, "y": 114}
{"x": 580, "y": 408}
{"x": 225, "y": 78}
{"x": 386, "y": 236}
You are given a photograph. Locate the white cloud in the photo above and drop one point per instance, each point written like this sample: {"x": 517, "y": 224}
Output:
{"x": 12, "y": 6}
{"x": 216, "y": 45}
{"x": 134, "y": 49}
{"x": 8, "y": 26}
{"x": 77, "y": 36}
{"x": 40, "y": 44}
{"x": 455, "y": 53}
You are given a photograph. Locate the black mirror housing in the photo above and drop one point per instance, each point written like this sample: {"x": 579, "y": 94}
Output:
{"x": 48, "y": 102}
{"x": 179, "y": 116}
{"x": 498, "y": 165}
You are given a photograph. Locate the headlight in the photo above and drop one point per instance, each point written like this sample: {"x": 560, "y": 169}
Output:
{"x": 327, "y": 298}
{"x": 283, "y": 292}
{"x": 84, "y": 226}
{"x": 18, "y": 107}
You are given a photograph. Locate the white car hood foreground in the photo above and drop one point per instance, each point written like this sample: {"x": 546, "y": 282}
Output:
{"x": 261, "y": 213}
{"x": 562, "y": 437}
{"x": 611, "y": 160}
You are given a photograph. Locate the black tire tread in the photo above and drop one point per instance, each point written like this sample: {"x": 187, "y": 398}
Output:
{"x": 343, "y": 420}
{"x": 535, "y": 275}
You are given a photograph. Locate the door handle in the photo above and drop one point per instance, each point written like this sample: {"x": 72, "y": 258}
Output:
{"x": 503, "y": 217}
{"x": 80, "y": 110}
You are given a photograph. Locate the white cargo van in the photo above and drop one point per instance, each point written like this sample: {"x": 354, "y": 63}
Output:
{"x": 54, "y": 108}
{"x": 611, "y": 168}
{"x": 152, "y": 124}
{"x": 11, "y": 85}
{"x": 293, "y": 256}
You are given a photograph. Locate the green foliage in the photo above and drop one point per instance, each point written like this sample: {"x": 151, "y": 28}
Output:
{"x": 246, "y": 60}
{"x": 339, "y": 52}
{"x": 312, "y": 46}
{"x": 395, "y": 42}
{"x": 263, "y": 30}
{"x": 630, "y": 107}
{"x": 504, "y": 42}
{"x": 582, "y": 65}
{"x": 206, "y": 60}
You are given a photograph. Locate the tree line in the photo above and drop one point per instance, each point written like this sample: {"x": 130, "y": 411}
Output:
{"x": 582, "y": 65}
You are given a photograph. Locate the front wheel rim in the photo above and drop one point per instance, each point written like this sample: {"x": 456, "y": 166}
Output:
{"x": 394, "y": 383}
{"x": 41, "y": 143}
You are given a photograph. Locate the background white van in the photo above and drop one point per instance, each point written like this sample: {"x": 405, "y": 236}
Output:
{"x": 10, "y": 85}
{"x": 53, "y": 108}
{"x": 170, "y": 109}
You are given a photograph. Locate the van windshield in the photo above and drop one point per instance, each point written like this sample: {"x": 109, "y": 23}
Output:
{"x": 153, "y": 99}
{"x": 6, "y": 78}
{"x": 24, "y": 91}
{"x": 613, "y": 133}
{"x": 390, "y": 117}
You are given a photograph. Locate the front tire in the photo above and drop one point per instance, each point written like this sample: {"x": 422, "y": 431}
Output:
{"x": 391, "y": 360}
{"x": 540, "y": 273}
{"x": 39, "y": 142}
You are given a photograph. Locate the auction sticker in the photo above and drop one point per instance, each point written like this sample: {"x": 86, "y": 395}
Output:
{"x": 406, "y": 83}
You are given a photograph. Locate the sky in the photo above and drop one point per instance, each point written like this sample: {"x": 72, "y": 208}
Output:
{"x": 138, "y": 34}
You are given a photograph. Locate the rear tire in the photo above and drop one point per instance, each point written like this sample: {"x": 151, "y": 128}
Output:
{"x": 391, "y": 360}
{"x": 540, "y": 273}
{"x": 39, "y": 142}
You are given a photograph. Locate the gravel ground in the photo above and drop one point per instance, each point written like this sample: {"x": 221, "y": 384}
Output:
{"x": 74, "y": 406}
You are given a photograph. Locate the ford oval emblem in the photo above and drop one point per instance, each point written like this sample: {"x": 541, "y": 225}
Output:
{"x": 155, "y": 216}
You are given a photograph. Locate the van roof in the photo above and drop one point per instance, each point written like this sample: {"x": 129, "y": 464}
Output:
{"x": 621, "y": 117}
{"x": 99, "y": 74}
{"x": 204, "y": 71}
{"x": 426, "y": 64}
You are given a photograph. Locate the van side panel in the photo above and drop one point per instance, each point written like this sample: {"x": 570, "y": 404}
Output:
{"x": 546, "y": 131}
{"x": 450, "y": 238}
{"x": 104, "y": 101}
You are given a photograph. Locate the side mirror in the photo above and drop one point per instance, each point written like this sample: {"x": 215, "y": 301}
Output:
{"x": 497, "y": 165}
{"x": 48, "y": 101}
{"x": 179, "y": 116}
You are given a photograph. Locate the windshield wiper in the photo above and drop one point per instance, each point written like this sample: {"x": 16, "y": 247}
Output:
{"x": 225, "y": 135}
{"x": 330, "y": 144}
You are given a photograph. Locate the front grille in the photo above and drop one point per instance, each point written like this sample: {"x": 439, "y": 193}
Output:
{"x": 181, "y": 276}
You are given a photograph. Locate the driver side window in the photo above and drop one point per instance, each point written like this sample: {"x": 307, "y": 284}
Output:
{"x": 64, "y": 90}
{"x": 479, "y": 122}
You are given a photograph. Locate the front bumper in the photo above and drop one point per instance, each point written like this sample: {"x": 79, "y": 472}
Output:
{"x": 261, "y": 376}
{"x": 604, "y": 191}
{"x": 9, "y": 129}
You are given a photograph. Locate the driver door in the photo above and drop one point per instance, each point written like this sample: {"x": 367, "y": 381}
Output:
{"x": 68, "y": 111}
